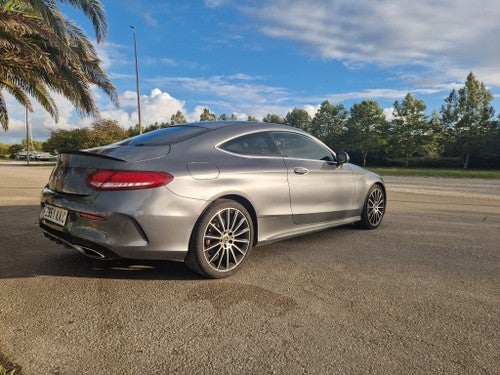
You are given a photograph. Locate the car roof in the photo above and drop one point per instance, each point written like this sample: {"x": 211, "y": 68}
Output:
{"x": 243, "y": 125}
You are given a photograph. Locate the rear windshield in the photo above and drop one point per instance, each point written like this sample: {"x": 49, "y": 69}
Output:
{"x": 165, "y": 136}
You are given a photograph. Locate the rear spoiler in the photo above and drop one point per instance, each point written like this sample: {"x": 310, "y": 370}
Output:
{"x": 87, "y": 153}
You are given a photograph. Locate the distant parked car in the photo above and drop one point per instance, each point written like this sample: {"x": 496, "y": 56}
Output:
{"x": 22, "y": 155}
{"x": 45, "y": 156}
{"x": 205, "y": 193}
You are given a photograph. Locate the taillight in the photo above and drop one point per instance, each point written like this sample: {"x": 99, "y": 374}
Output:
{"x": 103, "y": 179}
{"x": 92, "y": 217}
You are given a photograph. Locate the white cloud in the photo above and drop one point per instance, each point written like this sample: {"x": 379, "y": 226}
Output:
{"x": 113, "y": 54}
{"x": 195, "y": 115}
{"x": 388, "y": 112}
{"x": 158, "y": 106}
{"x": 234, "y": 90}
{"x": 212, "y": 4}
{"x": 312, "y": 109}
{"x": 447, "y": 38}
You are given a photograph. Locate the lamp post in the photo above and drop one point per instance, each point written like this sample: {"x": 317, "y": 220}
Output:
{"x": 28, "y": 141}
{"x": 137, "y": 82}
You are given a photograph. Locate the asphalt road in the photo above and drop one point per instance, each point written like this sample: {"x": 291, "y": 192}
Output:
{"x": 419, "y": 295}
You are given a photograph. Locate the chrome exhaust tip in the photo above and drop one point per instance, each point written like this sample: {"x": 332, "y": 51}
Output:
{"x": 91, "y": 253}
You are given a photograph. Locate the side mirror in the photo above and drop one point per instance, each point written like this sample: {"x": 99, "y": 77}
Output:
{"x": 342, "y": 158}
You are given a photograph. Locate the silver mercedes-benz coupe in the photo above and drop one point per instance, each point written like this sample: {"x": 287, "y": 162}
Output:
{"x": 205, "y": 193}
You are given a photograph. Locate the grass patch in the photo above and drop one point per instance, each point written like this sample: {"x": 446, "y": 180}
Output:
{"x": 3, "y": 371}
{"x": 445, "y": 173}
{"x": 8, "y": 367}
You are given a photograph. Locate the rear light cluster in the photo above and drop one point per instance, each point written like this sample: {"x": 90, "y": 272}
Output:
{"x": 105, "y": 179}
{"x": 92, "y": 217}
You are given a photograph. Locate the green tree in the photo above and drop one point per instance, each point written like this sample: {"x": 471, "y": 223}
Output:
{"x": 133, "y": 131}
{"x": 252, "y": 119}
{"x": 233, "y": 117}
{"x": 34, "y": 145}
{"x": 298, "y": 118}
{"x": 468, "y": 115}
{"x": 329, "y": 124}
{"x": 272, "y": 118}
{"x": 207, "y": 115}
{"x": 76, "y": 139}
{"x": 435, "y": 145}
{"x": 42, "y": 51}
{"x": 14, "y": 149}
{"x": 4, "y": 150}
{"x": 365, "y": 128}
{"x": 105, "y": 132}
{"x": 410, "y": 129}
{"x": 178, "y": 118}
{"x": 223, "y": 117}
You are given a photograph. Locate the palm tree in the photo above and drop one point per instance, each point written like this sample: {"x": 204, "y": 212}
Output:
{"x": 43, "y": 52}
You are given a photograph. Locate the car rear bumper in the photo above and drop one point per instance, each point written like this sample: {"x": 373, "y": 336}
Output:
{"x": 134, "y": 228}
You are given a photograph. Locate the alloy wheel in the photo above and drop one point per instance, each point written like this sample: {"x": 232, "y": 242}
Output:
{"x": 376, "y": 207}
{"x": 226, "y": 239}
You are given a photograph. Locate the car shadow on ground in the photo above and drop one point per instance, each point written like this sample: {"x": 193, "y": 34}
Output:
{"x": 73, "y": 264}
{"x": 25, "y": 252}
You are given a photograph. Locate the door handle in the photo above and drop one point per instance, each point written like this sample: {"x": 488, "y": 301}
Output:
{"x": 301, "y": 170}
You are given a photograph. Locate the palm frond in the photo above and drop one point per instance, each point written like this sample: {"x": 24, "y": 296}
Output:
{"x": 94, "y": 10}
{"x": 41, "y": 51}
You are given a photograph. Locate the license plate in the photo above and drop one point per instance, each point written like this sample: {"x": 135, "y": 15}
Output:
{"x": 55, "y": 214}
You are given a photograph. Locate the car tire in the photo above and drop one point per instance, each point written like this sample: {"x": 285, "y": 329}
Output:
{"x": 374, "y": 208}
{"x": 221, "y": 240}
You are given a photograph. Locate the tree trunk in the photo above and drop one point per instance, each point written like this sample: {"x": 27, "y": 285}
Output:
{"x": 465, "y": 162}
{"x": 365, "y": 154}
{"x": 407, "y": 161}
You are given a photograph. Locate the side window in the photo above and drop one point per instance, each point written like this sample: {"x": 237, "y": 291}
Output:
{"x": 256, "y": 144}
{"x": 298, "y": 146}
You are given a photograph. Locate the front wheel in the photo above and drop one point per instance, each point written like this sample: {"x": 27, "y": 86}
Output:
{"x": 374, "y": 208}
{"x": 222, "y": 240}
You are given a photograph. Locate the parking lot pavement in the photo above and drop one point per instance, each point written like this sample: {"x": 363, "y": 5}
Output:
{"x": 418, "y": 295}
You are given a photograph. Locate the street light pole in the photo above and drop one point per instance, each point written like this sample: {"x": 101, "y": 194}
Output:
{"x": 137, "y": 82}
{"x": 28, "y": 141}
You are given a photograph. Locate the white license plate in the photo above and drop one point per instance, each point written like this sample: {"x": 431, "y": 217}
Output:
{"x": 55, "y": 214}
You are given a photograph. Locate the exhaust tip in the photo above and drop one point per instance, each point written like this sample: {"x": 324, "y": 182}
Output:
{"x": 91, "y": 253}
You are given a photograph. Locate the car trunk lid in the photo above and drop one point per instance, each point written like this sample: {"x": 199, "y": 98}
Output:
{"x": 74, "y": 167}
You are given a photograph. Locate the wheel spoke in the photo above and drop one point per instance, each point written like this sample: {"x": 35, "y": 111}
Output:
{"x": 228, "y": 219}
{"x": 235, "y": 220}
{"x": 212, "y": 247}
{"x": 239, "y": 250}
{"x": 241, "y": 240}
{"x": 242, "y": 232}
{"x": 213, "y": 226}
{"x": 221, "y": 257}
{"x": 210, "y": 237}
{"x": 215, "y": 255}
{"x": 243, "y": 220}
{"x": 221, "y": 221}
{"x": 234, "y": 257}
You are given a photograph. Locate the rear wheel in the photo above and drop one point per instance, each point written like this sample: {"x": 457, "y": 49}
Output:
{"x": 374, "y": 208}
{"x": 222, "y": 240}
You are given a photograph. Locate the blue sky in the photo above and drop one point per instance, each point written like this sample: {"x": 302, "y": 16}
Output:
{"x": 259, "y": 57}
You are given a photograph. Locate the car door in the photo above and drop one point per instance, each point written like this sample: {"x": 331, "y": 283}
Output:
{"x": 320, "y": 190}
